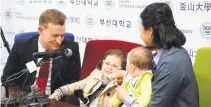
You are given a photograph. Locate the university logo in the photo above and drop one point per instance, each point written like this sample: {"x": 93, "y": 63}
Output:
{"x": 8, "y": 14}
{"x": 84, "y": 39}
{"x": 90, "y": 21}
{"x": 206, "y": 30}
{"x": 61, "y": 3}
{"x": 40, "y": 1}
{"x": 109, "y": 4}
{"x": 132, "y": 4}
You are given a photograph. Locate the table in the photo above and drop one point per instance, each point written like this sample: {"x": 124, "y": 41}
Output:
{"x": 53, "y": 103}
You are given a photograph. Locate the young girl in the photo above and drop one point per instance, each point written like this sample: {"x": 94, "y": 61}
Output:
{"x": 97, "y": 88}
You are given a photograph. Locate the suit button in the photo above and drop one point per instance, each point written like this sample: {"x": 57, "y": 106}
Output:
{"x": 108, "y": 94}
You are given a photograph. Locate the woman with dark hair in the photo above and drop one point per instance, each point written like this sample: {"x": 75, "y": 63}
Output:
{"x": 174, "y": 83}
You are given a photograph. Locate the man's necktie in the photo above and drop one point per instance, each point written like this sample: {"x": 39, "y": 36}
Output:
{"x": 42, "y": 79}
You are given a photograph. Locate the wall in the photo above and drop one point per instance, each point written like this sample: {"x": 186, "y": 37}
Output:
{"x": 105, "y": 19}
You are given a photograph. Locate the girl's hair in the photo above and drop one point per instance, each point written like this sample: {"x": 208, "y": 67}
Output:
{"x": 116, "y": 52}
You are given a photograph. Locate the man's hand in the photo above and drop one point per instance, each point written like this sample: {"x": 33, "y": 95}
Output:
{"x": 121, "y": 93}
{"x": 54, "y": 96}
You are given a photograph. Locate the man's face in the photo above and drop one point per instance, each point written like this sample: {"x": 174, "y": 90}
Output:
{"x": 52, "y": 36}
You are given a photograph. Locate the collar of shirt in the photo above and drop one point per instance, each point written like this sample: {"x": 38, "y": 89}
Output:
{"x": 134, "y": 80}
{"x": 40, "y": 47}
{"x": 156, "y": 56}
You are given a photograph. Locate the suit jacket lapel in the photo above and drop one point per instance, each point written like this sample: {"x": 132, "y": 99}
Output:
{"x": 57, "y": 67}
{"x": 32, "y": 47}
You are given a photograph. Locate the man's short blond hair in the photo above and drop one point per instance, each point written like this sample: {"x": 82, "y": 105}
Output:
{"x": 52, "y": 16}
{"x": 141, "y": 57}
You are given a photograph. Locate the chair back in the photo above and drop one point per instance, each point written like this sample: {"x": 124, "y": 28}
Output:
{"x": 31, "y": 34}
{"x": 202, "y": 70}
{"x": 96, "y": 49}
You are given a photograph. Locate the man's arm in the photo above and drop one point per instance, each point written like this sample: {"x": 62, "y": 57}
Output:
{"x": 11, "y": 67}
{"x": 166, "y": 86}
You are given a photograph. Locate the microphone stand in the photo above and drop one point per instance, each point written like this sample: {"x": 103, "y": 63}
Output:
{"x": 34, "y": 99}
{"x": 29, "y": 99}
{"x": 6, "y": 45}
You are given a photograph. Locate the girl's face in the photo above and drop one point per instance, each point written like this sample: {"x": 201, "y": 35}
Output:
{"x": 111, "y": 63}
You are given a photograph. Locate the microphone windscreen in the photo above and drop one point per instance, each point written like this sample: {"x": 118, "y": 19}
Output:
{"x": 68, "y": 52}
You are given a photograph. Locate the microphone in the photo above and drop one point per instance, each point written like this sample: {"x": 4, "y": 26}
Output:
{"x": 34, "y": 99}
{"x": 31, "y": 66}
{"x": 53, "y": 54}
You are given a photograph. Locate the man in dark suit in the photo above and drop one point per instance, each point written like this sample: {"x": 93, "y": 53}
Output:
{"x": 51, "y": 37}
